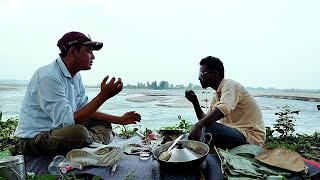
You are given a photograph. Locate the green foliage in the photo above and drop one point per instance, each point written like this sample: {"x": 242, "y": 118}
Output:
{"x": 161, "y": 85}
{"x": 164, "y": 85}
{"x": 33, "y": 176}
{"x": 183, "y": 126}
{"x": 301, "y": 143}
{"x": 154, "y": 85}
{"x": 7, "y": 129}
{"x": 5, "y": 153}
{"x": 269, "y": 134}
{"x": 7, "y": 139}
{"x": 285, "y": 122}
{"x": 125, "y": 132}
{"x": 44, "y": 177}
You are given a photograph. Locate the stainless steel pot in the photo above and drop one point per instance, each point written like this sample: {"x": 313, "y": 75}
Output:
{"x": 13, "y": 167}
{"x": 189, "y": 154}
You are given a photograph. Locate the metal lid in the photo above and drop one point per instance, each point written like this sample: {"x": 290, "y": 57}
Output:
{"x": 11, "y": 160}
{"x": 182, "y": 154}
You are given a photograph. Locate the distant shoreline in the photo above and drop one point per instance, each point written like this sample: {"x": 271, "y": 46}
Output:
{"x": 311, "y": 99}
{"x": 292, "y": 95}
{"x": 10, "y": 87}
{"x": 301, "y": 95}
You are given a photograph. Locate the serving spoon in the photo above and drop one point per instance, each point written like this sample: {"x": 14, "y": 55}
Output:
{"x": 165, "y": 156}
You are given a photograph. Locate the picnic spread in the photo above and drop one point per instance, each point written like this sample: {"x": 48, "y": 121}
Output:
{"x": 235, "y": 163}
{"x": 130, "y": 163}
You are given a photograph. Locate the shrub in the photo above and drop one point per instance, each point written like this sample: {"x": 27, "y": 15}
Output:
{"x": 286, "y": 122}
{"x": 284, "y": 126}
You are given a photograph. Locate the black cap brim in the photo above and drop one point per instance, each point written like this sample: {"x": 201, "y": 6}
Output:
{"x": 95, "y": 45}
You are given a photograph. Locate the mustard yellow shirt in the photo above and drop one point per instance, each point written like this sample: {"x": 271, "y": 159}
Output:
{"x": 241, "y": 110}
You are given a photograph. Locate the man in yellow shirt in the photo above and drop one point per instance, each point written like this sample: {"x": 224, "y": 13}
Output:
{"x": 234, "y": 118}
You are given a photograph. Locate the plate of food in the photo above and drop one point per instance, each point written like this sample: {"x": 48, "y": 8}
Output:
{"x": 132, "y": 148}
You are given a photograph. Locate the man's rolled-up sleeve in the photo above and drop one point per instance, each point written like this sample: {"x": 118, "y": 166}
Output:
{"x": 229, "y": 99}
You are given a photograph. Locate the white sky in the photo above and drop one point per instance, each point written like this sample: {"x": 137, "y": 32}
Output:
{"x": 267, "y": 43}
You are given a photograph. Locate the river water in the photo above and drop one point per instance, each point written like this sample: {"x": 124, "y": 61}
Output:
{"x": 160, "y": 108}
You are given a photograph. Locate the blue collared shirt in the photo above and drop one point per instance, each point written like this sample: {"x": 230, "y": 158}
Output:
{"x": 52, "y": 97}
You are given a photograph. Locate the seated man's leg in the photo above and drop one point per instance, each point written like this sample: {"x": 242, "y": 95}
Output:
{"x": 100, "y": 131}
{"x": 58, "y": 141}
{"x": 223, "y": 136}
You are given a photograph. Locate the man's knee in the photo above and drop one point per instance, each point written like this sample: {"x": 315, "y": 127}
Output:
{"x": 56, "y": 141}
{"x": 76, "y": 132}
{"x": 223, "y": 136}
{"x": 213, "y": 127}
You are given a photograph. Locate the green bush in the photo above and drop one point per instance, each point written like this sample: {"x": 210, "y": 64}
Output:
{"x": 286, "y": 122}
{"x": 7, "y": 140}
{"x": 285, "y": 137}
{"x": 183, "y": 125}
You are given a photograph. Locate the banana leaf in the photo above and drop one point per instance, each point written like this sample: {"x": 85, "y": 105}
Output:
{"x": 236, "y": 166}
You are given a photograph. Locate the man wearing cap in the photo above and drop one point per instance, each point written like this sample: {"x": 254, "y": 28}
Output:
{"x": 56, "y": 115}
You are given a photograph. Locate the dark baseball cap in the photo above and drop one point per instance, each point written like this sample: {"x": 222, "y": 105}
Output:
{"x": 72, "y": 38}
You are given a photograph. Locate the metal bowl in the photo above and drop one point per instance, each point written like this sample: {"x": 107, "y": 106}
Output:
{"x": 199, "y": 148}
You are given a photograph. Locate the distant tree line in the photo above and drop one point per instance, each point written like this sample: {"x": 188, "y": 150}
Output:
{"x": 161, "y": 85}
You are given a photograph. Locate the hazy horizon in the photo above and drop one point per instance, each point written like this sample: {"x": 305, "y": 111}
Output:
{"x": 270, "y": 44}
{"x": 25, "y": 82}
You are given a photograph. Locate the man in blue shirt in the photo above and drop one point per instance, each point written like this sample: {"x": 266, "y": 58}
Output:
{"x": 56, "y": 115}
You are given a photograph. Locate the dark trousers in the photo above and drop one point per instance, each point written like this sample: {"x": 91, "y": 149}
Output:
{"x": 223, "y": 136}
{"x": 63, "y": 140}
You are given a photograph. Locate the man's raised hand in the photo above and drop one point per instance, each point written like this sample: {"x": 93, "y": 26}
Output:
{"x": 111, "y": 88}
{"x": 191, "y": 96}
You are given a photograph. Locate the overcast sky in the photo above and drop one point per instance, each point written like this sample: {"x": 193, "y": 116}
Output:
{"x": 271, "y": 43}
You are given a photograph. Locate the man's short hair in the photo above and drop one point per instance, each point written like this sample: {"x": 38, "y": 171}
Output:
{"x": 213, "y": 64}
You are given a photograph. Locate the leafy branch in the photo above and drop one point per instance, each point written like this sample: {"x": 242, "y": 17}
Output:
{"x": 183, "y": 126}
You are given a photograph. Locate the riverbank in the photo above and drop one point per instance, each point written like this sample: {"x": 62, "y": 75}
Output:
{"x": 163, "y": 99}
{"x": 312, "y": 96}
{"x": 10, "y": 87}
{"x": 311, "y": 99}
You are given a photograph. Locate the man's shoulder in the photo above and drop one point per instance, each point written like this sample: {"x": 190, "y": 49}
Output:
{"x": 48, "y": 70}
{"x": 231, "y": 82}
